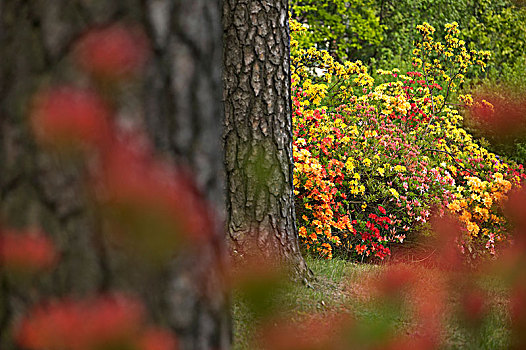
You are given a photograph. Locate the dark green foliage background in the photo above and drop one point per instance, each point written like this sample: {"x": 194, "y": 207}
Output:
{"x": 381, "y": 32}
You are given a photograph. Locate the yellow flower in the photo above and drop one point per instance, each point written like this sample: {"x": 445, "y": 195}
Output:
{"x": 349, "y": 165}
{"x": 465, "y": 217}
{"x": 472, "y": 228}
{"x": 454, "y": 206}
{"x": 394, "y": 192}
{"x": 487, "y": 201}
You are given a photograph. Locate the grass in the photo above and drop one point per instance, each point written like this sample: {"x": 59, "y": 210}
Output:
{"x": 339, "y": 286}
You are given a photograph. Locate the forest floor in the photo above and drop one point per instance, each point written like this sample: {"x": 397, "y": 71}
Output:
{"x": 338, "y": 286}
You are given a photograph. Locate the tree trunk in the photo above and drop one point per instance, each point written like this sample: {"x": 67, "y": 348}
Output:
{"x": 179, "y": 102}
{"x": 258, "y": 129}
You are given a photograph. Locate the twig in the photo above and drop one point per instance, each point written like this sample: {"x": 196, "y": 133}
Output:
{"x": 447, "y": 92}
{"x": 427, "y": 257}
{"x": 452, "y": 157}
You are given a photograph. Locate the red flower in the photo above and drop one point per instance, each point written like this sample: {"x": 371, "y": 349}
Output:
{"x": 382, "y": 210}
{"x": 360, "y": 248}
{"x": 67, "y": 116}
{"x": 113, "y": 53}
{"x": 26, "y": 252}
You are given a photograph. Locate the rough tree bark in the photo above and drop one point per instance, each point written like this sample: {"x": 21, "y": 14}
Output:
{"x": 258, "y": 129}
{"x": 179, "y": 101}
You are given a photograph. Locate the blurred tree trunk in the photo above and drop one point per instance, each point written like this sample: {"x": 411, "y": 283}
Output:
{"x": 258, "y": 129}
{"x": 179, "y": 102}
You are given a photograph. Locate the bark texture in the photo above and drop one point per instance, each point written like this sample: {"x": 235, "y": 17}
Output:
{"x": 258, "y": 129}
{"x": 178, "y": 101}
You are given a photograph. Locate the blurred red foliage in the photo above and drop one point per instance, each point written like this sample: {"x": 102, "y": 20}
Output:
{"x": 115, "y": 322}
{"x": 313, "y": 332}
{"x": 26, "y": 251}
{"x": 112, "y": 53}
{"x": 448, "y": 232}
{"x": 68, "y": 116}
{"x": 498, "y": 114}
{"x": 394, "y": 279}
{"x": 155, "y": 339}
{"x": 149, "y": 204}
{"x": 473, "y": 305}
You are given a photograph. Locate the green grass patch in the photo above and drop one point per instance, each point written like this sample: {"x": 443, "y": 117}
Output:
{"x": 339, "y": 285}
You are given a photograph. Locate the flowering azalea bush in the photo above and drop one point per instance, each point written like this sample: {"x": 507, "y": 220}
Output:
{"x": 375, "y": 157}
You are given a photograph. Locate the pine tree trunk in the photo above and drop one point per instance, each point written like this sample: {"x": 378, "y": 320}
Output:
{"x": 179, "y": 102}
{"x": 258, "y": 129}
